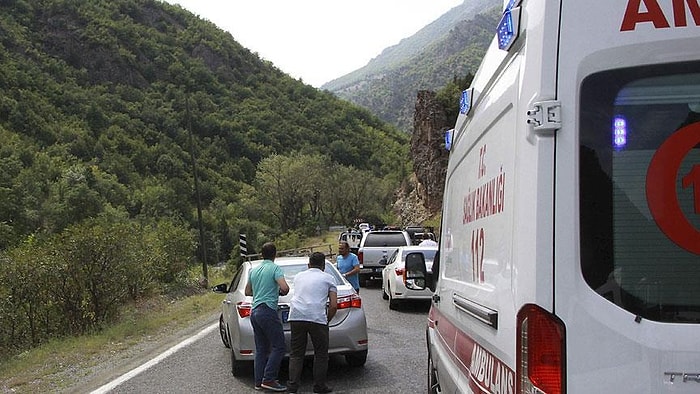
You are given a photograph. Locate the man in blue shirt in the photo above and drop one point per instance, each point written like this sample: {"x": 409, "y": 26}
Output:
{"x": 308, "y": 317}
{"x": 349, "y": 265}
{"x": 266, "y": 283}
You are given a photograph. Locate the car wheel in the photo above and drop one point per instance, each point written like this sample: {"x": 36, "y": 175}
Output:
{"x": 223, "y": 332}
{"x": 356, "y": 359}
{"x": 237, "y": 366}
{"x": 385, "y": 296}
{"x": 433, "y": 385}
{"x": 393, "y": 304}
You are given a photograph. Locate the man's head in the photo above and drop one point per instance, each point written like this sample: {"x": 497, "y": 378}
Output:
{"x": 317, "y": 260}
{"x": 269, "y": 251}
{"x": 343, "y": 248}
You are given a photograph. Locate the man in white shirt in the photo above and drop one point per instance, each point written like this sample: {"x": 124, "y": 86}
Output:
{"x": 427, "y": 242}
{"x": 313, "y": 290}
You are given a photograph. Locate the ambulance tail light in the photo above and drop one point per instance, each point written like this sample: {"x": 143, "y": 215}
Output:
{"x": 541, "y": 351}
{"x": 360, "y": 256}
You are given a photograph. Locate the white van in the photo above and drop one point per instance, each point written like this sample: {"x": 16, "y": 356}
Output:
{"x": 570, "y": 239}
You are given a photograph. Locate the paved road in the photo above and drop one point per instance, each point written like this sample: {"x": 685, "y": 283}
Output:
{"x": 397, "y": 360}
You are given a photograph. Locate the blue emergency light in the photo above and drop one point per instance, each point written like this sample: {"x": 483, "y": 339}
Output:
{"x": 512, "y": 4}
{"x": 465, "y": 101}
{"x": 448, "y": 139}
{"x": 508, "y": 27}
{"x": 619, "y": 132}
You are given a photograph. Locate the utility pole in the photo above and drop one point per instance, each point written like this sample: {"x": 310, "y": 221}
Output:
{"x": 203, "y": 246}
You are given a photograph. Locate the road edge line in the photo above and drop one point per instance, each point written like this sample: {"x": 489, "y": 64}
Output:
{"x": 134, "y": 372}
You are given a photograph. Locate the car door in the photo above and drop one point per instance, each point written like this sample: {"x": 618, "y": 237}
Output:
{"x": 388, "y": 271}
{"x": 627, "y": 262}
{"x": 235, "y": 295}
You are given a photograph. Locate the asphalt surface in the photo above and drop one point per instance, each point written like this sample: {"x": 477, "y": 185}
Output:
{"x": 396, "y": 362}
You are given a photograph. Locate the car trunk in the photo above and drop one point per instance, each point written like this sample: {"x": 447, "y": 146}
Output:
{"x": 340, "y": 314}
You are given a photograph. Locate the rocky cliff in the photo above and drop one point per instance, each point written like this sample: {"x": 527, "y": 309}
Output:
{"x": 420, "y": 197}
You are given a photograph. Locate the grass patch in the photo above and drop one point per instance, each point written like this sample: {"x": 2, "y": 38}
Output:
{"x": 66, "y": 362}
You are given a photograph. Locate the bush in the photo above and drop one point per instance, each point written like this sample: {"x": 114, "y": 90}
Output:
{"x": 77, "y": 281}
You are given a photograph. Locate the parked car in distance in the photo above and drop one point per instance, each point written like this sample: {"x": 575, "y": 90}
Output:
{"x": 375, "y": 249}
{"x": 395, "y": 286}
{"x": 353, "y": 238}
{"x": 348, "y": 329}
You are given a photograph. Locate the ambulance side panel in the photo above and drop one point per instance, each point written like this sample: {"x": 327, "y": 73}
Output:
{"x": 497, "y": 223}
{"x": 596, "y": 220}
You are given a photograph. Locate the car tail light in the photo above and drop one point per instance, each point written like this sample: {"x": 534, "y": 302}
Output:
{"x": 541, "y": 351}
{"x": 360, "y": 256}
{"x": 351, "y": 301}
{"x": 244, "y": 309}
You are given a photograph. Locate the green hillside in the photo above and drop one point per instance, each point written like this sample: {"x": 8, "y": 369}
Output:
{"x": 99, "y": 99}
{"x": 137, "y": 141}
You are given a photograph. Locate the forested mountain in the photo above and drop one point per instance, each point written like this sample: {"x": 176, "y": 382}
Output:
{"x": 103, "y": 103}
{"x": 137, "y": 140}
{"x": 450, "y": 47}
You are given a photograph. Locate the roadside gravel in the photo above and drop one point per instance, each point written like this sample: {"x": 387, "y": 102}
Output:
{"x": 77, "y": 372}
{"x": 104, "y": 368}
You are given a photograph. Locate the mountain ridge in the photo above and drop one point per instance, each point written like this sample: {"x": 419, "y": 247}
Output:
{"x": 406, "y": 47}
{"x": 447, "y": 48}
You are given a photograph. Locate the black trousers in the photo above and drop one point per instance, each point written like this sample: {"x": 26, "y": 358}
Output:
{"x": 301, "y": 331}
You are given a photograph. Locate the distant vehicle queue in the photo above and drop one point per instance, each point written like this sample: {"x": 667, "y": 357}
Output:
{"x": 374, "y": 246}
{"x": 354, "y": 236}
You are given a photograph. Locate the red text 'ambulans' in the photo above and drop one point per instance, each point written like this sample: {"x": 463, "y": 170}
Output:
{"x": 489, "y": 373}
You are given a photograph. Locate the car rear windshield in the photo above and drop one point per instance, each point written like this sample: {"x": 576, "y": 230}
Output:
{"x": 428, "y": 254}
{"x": 640, "y": 189}
{"x": 385, "y": 239}
{"x": 290, "y": 271}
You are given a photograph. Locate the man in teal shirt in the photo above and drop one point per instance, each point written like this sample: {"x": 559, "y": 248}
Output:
{"x": 266, "y": 283}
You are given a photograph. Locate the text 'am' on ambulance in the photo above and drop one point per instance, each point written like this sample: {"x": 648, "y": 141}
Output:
{"x": 569, "y": 254}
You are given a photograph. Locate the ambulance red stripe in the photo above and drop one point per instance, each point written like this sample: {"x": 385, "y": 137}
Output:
{"x": 487, "y": 373}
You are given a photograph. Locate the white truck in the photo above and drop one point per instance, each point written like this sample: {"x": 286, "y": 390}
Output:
{"x": 353, "y": 238}
{"x": 569, "y": 256}
{"x": 375, "y": 248}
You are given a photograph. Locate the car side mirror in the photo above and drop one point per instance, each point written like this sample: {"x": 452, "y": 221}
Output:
{"x": 220, "y": 288}
{"x": 416, "y": 270}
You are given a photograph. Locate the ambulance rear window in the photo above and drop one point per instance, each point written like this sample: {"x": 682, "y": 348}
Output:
{"x": 640, "y": 189}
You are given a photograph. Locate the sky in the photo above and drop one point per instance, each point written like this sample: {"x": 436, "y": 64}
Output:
{"x": 319, "y": 40}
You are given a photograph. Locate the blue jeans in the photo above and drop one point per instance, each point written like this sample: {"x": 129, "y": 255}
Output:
{"x": 269, "y": 343}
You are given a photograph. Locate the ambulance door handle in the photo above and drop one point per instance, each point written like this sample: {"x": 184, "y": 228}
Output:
{"x": 481, "y": 313}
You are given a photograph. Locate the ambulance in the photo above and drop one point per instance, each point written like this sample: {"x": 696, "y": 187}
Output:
{"x": 569, "y": 254}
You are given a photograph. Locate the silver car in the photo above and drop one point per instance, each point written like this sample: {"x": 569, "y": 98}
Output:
{"x": 348, "y": 329}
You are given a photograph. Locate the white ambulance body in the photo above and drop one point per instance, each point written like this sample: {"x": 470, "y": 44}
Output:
{"x": 570, "y": 238}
